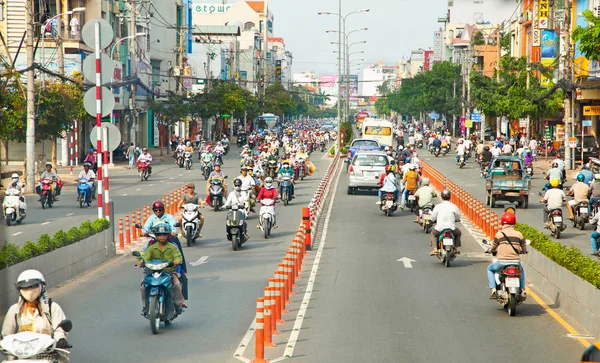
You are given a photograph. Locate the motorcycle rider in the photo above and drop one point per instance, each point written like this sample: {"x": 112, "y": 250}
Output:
{"x": 219, "y": 151}
{"x": 508, "y": 244}
{"x": 217, "y": 173}
{"x": 16, "y": 184}
{"x": 145, "y": 157}
{"x": 595, "y": 193}
{"x": 188, "y": 147}
{"x": 286, "y": 170}
{"x": 554, "y": 174}
{"x": 248, "y": 185}
{"x": 411, "y": 183}
{"x": 159, "y": 216}
{"x": 554, "y": 198}
{"x": 424, "y": 195}
{"x": 587, "y": 174}
{"x": 35, "y": 311}
{"x": 163, "y": 250}
{"x": 445, "y": 216}
{"x": 580, "y": 192}
{"x": 388, "y": 184}
{"x": 206, "y": 157}
{"x": 88, "y": 174}
{"x": 460, "y": 151}
{"x": 92, "y": 159}
{"x": 238, "y": 197}
{"x": 268, "y": 191}
{"x": 193, "y": 198}
{"x": 595, "y": 235}
{"x": 49, "y": 174}
{"x": 561, "y": 165}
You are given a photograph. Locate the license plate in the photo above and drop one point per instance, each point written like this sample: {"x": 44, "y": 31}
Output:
{"x": 448, "y": 242}
{"x": 511, "y": 282}
{"x": 427, "y": 217}
{"x": 389, "y": 203}
{"x": 371, "y": 173}
{"x": 557, "y": 219}
{"x": 411, "y": 197}
{"x": 583, "y": 210}
{"x": 585, "y": 149}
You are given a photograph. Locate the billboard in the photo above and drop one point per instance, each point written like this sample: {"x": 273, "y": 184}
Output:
{"x": 353, "y": 80}
{"x": 437, "y": 46}
{"x": 427, "y": 60}
{"x": 328, "y": 80}
{"x": 549, "y": 52}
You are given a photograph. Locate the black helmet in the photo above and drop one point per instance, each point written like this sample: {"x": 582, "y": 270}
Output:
{"x": 592, "y": 353}
{"x": 486, "y": 148}
{"x": 237, "y": 183}
{"x": 162, "y": 228}
{"x": 445, "y": 194}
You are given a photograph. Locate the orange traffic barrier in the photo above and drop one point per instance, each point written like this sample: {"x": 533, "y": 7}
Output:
{"x": 273, "y": 305}
{"x": 134, "y": 231}
{"x": 291, "y": 263}
{"x": 268, "y": 319}
{"x": 274, "y": 285}
{"x": 139, "y": 218}
{"x": 307, "y": 232}
{"x": 282, "y": 275}
{"x": 127, "y": 230}
{"x": 259, "y": 342}
{"x": 281, "y": 286}
{"x": 121, "y": 236}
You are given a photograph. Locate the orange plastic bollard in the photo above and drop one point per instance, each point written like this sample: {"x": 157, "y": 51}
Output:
{"x": 307, "y": 232}
{"x": 273, "y": 299}
{"x": 121, "y": 236}
{"x": 268, "y": 318}
{"x": 291, "y": 262}
{"x": 259, "y": 342}
{"x": 274, "y": 285}
{"x": 127, "y": 230}
{"x": 281, "y": 285}
{"x": 283, "y": 275}
{"x": 297, "y": 255}
{"x": 139, "y": 218}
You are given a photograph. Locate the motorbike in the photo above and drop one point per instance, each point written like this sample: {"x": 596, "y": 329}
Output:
{"x": 411, "y": 201}
{"x": 580, "y": 214}
{"x": 236, "y": 226}
{"x": 420, "y": 144}
{"x": 47, "y": 195}
{"x": 322, "y": 146}
{"x": 266, "y": 217}
{"x": 219, "y": 157}
{"x": 557, "y": 224}
{"x": 461, "y": 161}
{"x": 13, "y": 211}
{"x": 508, "y": 286}
{"x": 529, "y": 169}
{"x": 389, "y": 203}
{"x": 190, "y": 221}
{"x": 301, "y": 169}
{"x": 216, "y": 193}
{"x": 425, "y": 215}
{"x": 84, "y": 191}
{"x": 35, "y": 347}
{"x": 446, "y": 247}
{"x": 285, "y": 189}
{"x": 179, "y": 158}
{"x": 445, "y": 150}
{"x": 436, "y": 151}
{"x": 187, "y": 157}
{"x": 595, "y": 209}
{"x": 272, "y": 168}
{"x": 226, "y": 147}
{"x": 206, "y": 169}
{"x": 143, "y": 169}
{"x": 241, "y": 140}
{"x": 485, "y": 169}
{"x": 160, "y": 303}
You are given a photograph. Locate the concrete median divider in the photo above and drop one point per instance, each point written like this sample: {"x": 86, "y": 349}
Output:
{"x": 281, "y": 285}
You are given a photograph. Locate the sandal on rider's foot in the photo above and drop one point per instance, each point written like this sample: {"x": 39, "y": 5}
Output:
{"x": 494, "y": 295}
{"x": 433, "y": 253}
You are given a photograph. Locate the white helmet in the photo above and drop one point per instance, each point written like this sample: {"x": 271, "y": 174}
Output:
{"x": 187, "y": 143}
{"x": 268, "y": 180}
{"x": 29, "y": 278}
{"x": 14, "y": 176}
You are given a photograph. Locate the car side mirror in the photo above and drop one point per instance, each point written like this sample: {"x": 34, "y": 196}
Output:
{"x": 65, "y": 325}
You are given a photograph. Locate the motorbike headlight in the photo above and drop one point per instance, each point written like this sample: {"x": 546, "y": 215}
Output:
{"x": 25, "y": 349}
{"x": 156, "y": 266}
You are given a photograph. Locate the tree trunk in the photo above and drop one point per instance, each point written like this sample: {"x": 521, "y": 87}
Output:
{"x": 54, "y": 157}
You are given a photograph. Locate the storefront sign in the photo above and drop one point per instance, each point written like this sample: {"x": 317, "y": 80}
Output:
{"x": 543, "y": 13}
{"x": 536, "y": 34}
{"x": 586, "y": 123}
{"x": 591, "y": 110}
{"x": 207, "y": 8}
{"x": 572, "y": 142}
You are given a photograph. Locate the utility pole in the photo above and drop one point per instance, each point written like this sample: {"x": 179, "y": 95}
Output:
{"x": 133, "y": 134}
{"x": 568, "y": 73}
{"x": 181, "y": 71}
{"x": 339, "y": 103}
{"x": 30, "y": 133}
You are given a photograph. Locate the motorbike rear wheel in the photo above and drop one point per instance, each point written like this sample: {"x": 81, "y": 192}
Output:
{"x": 512, "y": 305}
{"x": 154, "y": 314}
{"x": 425, "y": 226}
{"x": 557, "y": 232}
{"x": 448, "y": 258}
{"x": 388, "y": 212}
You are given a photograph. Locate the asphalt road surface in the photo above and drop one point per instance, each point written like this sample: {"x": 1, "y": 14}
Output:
{"x": 469, "y": 178}
{"x": 104, "y": 304}
{"x": 368, "y": 307}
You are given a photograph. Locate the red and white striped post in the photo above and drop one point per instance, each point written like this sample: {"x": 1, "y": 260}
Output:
{"x": 99, "y": 121}
{"x": 105, "y": 155}
{"x": 71, "y": 149}
{"x": 76, "y": 134}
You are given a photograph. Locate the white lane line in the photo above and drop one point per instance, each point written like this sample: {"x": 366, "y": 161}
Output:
{"x": 138, "y": 189}
{"x": 70, "y": 214}
{"x": 151, "y": 185}
{"x": 171, "y": 178}
{"x": 16, "y": 234}
{"x": 239, "y": 352}
{"x": 124, "y": 194}
{"x": 291, "y": 344}
{"x": 43, "y": 224}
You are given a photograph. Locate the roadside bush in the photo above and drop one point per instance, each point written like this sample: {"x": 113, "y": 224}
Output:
{"x": 11, "y": 254}
{"x": 344, "y": 150}
{"x": 332, "y": 151}
{"x": 570, "y": 258}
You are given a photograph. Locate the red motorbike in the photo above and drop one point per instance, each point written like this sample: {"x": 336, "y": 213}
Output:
{"x": 47, "y": 193}
{"x": 144, "y": 170}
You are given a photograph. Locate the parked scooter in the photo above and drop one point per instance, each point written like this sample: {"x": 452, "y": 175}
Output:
{"x": 580, "y": 214}
{"x": 190, "y": 221}
{"x": 236, "y": 226}
{"x": 35, "y": 347}
{"x": 160, "y": 303}
{"x": 84, "y": 191}
{"x": 187, "y": 160}
{"x": 215, "y": 199}
{"x": 266, "y": 218}
{"x": 47, "y": 194}
{"x": 389, "y": 203}
{"x": 285, "y": 189}
{"x": 14, "y": 209}
{"x": 446, "y": 247}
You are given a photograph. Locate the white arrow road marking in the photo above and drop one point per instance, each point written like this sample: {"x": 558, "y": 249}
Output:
{"x": 43, "y": 224}
{"x": 70, "y": 214}
{"x": 406, "y": 261}
{"x": 202, "y": 260}
{"x": 16, "y": 234}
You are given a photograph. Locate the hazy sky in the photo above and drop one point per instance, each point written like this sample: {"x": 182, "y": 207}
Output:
{"x": 395, "y": 28}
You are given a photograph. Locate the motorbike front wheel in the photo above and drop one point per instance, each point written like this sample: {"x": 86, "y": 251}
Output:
{"x": 216, "y": 204}
{"x": 512, "y": 305}
{"x": 265, "y": 227}
{"x": 8, "y": 218}
{"x": 154, "y": 314}
{"x": 235, "y": 241}
{"x": 43, "y": 200}
{"x": 188, "y": 236}
{"x": 285, "y": 197}
{"x": 81, "y": 199}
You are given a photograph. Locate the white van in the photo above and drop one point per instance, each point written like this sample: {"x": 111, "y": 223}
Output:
{"x": 380, "y": 130}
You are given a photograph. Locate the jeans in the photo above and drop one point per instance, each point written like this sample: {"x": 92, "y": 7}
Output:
{"x": 495, "y": 267}
{"x": 458, "y": 157}
{"x": 396, "y": 194}
{"x": 594, "y": 240}
{"x": 131, "y": 161}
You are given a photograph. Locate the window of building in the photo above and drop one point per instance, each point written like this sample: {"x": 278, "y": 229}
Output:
{"x": 155, "y": 63}
{"x": 249, "y": 25}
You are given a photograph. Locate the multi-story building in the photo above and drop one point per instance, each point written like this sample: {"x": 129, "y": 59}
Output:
{"x": 375, "y": 75}
{"x": 481, "y": 11}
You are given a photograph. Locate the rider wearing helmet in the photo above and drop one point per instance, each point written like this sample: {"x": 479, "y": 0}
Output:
{"x": 554, "y": 173}
{"x": 445, "y": 215}
{"x": 580, "y": 192}
{"x": 145, "y": 157}
{"x": 424, "y": 195}
{"x": 553, "y": 198}
{"x": 188, "y": 147}
{"x": 92, "y": 159}
{"x": 460, "y": 150}
{"x": 50, "y": 174}
{"x": 287, "y": 170}
{"x": 159, "y": 216}
{"x": 508, "y": 245}
{"x": 35, "y": 311}
{"x": 587, "y": 174}
{"x": 167, "y": 252}
{"x": 389, "y": 184}
{"x": 238, "y": 197}
{"x": 268, "y": 191}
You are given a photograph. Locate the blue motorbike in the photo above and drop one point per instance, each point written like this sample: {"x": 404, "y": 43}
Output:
{"x": 159, "y": 295}
{"x": 84, "y": 191}
{"x": 285, "y": 189}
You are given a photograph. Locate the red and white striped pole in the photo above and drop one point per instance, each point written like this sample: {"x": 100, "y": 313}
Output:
{"x": 71, "y": 149}
{"x": 99, "y": 120}
{"x": 105, "y": 155}
{"x": 76, "y": 142}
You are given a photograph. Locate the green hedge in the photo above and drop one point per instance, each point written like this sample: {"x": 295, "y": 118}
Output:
{"x": 11, "y": 254}
{"x": 570, "y": 258}
{"x": 332, "y": 151}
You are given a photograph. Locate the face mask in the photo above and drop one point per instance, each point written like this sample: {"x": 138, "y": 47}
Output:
{"x": 268, "y": 185}
{"x": 238, "y": 189}
{"x": 31, "y": 294}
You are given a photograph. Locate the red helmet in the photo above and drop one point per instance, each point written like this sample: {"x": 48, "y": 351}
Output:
{"x": 158, "y": 205}
{"x": 508, "y": 218}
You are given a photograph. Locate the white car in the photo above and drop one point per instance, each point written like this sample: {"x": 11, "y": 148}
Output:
{"x": 365, "y": 169}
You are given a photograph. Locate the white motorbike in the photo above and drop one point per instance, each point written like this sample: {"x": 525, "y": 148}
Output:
{"x": 35, "y": 347}
{"x": 190, "y": 222}
{"x": 266, "y": 216}
{"x": 187, "y": 160}
{"x": 14, "y": 209}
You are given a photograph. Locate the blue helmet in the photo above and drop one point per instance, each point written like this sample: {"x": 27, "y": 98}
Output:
{"x": 580, "y": 177}
{"x": 407, "y": 160}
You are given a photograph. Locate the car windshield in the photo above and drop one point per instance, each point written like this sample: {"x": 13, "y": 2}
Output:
{"x": 365, "y": 143}
{"x": 370, "y": 160}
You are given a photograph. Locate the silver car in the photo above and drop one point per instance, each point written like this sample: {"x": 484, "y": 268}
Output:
{"x": 365, "y": 170}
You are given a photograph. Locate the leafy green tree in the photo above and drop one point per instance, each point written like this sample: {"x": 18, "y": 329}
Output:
{"x": 167, "y": 113}
{"x": 589, "y": 36}
{"x": 277, "y": 100}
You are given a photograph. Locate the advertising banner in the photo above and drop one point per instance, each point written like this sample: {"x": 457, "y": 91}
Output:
{"x": 543, "y": 13}
{"x": 549, "y": 52}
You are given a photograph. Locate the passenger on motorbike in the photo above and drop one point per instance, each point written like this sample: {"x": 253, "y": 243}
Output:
{"x": 554, "y": 174}
{"x": 411, "y": 183}
{"x": 88, "y": 174}
{"x": 445, "y": 216}
{"x": 269, "y": 192}
{"x": 49, "y": 174}
{"x": 193, "y": 198}
{"x": 389, "y": 184}
{"x": 437, "y": 144}
{"x": 580, "y": 192}
{"x": 588, "y": 175}
{"x": 35, "y": 311}
{"x": 145, "y": 157}
{"x": 239, "y": 198}
{"x": 595, "y": 191}
{"x": 91, "y": 158}
{"x": 167, "y": 252}
{"x": 554, "y": 198}
{"x": 159, "y": 216}
{"x": 561, "y": 165}
{"x": 188, "y": 147}
{"x": 248, "y": 185}
{"x": 508, "y": 245}
{"x": 424, "y": 195}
